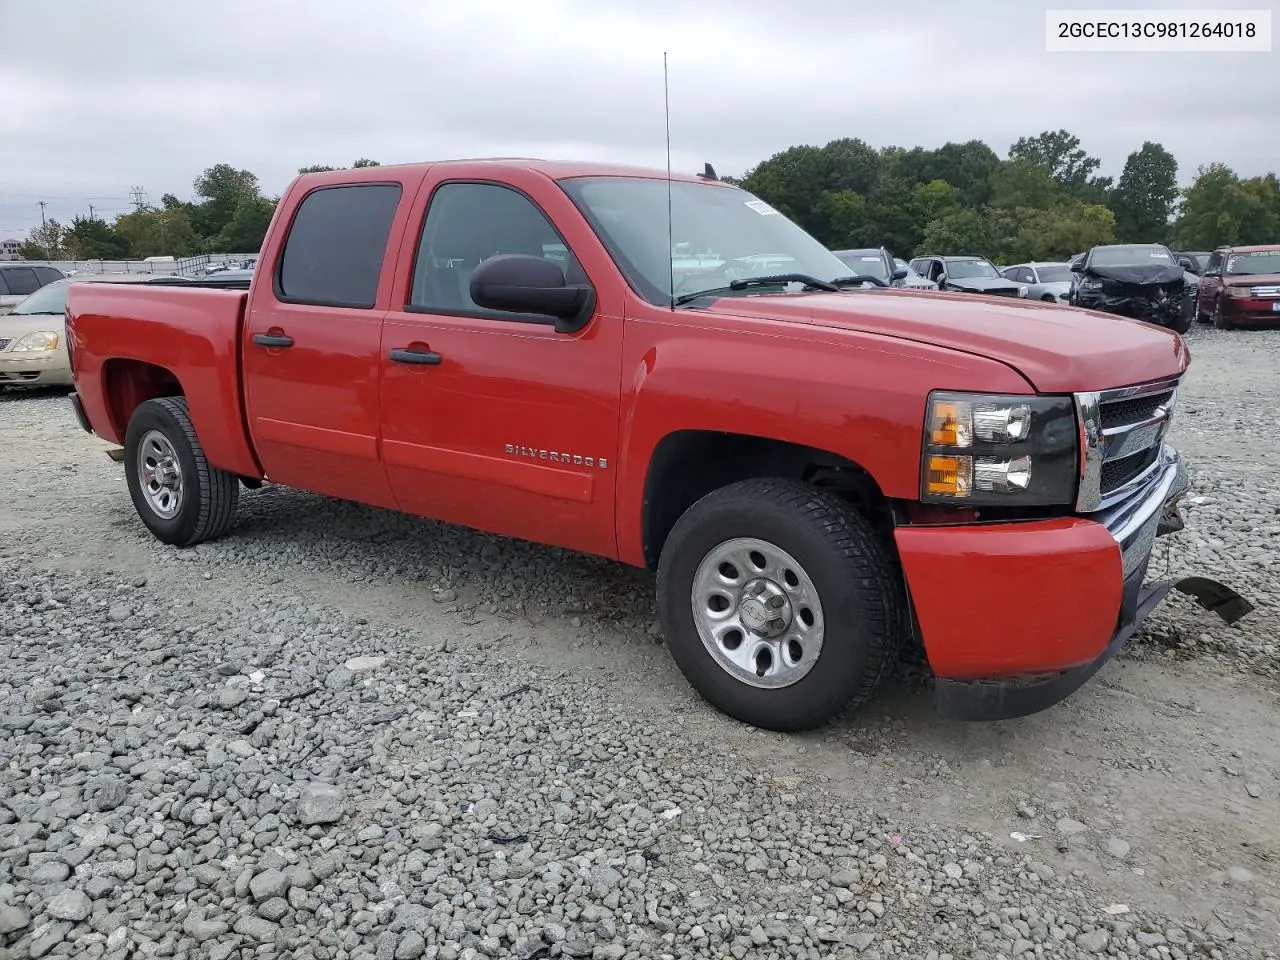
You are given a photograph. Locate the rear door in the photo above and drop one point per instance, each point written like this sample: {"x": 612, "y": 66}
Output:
{"x": 311, "y": 341}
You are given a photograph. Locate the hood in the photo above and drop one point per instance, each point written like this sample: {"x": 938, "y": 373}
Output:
{"x": 1058, "y": 349}
{"x": 1253, "y": 280}
{"x": 15, "y": 325}
{"x": 982, "y": 283}
{"x": 1145, "y": 274}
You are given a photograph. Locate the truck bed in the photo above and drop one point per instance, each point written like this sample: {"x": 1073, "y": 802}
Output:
{"x": 165, "y": 339}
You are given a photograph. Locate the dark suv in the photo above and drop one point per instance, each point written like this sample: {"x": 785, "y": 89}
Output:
{"x": 19, "y": 280}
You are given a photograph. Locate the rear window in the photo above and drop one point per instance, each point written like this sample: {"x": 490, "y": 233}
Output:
{"x": 21, "y": 281}
{"x": 334, "y": 252}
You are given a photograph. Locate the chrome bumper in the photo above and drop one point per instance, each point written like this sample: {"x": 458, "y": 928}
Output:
{"x": 1148, "y": 512}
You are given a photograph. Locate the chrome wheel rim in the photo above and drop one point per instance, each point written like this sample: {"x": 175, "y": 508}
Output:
{"x": 758, "y": 613}
{"x": 160, "y": 475}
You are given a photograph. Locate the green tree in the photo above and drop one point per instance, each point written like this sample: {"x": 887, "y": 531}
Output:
{"x": 1061, "y": 152}
{"x": 1220, "y": 208}
{"x": 93, "y": 239}
{"x": 221, "y": 189}
{"x": 322, "y": 168}
{"x": 156, "y": 233}
{"x": 49, "y": 238}
{"x": 1145, "y": 196}
{"x": 30, "y": 250}
{"x": 960, "y": 232}
{"x": 248, "y": 227}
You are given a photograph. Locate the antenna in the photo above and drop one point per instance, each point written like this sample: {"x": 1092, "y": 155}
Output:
{"x": 671, "y": 240}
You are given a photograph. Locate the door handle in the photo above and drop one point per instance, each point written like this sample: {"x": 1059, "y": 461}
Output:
{"x": 272, "y": 340}
{"x": 428, "y": 357}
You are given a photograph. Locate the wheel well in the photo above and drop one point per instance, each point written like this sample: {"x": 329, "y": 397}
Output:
{"x": 132, "y": 382}
{"x": 689, "y": 464}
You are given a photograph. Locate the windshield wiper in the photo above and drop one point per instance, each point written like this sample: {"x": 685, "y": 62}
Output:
{"x": 769, "y": 281}
{"x": 37, "y": 313}
{"x": 858, "y": 279}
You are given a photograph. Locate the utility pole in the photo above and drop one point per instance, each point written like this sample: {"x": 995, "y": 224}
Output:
{"x": 138, "y": 197}
{"x": 42, "y": 220}
{"x": 91, "y": 211}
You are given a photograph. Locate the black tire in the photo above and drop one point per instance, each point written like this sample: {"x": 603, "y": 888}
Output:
{"x": 1183, "y": 322}
{"x": 855, "y": 579}
{"x": 1219, "y": 318}
{"x": 207, "y": 506}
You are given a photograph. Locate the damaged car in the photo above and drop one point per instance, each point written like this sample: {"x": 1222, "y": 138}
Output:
{"x": 1143, "y": 281}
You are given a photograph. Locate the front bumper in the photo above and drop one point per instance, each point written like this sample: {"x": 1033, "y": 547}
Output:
{"x": 1251, "y": 311}
{"x": 1056, "y": 598}
{"x": 34, "y": 368}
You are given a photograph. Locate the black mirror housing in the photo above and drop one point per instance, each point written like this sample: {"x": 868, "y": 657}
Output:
{"x": 899, "y": 274}
{"x": 520, "y": 283}
{"x": 1077, "y": 267}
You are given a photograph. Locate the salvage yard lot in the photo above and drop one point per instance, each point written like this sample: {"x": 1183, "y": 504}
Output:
{"x": 516, "y": 768}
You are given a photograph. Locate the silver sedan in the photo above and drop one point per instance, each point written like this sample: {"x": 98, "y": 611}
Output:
{"x": 1043, "y": 281}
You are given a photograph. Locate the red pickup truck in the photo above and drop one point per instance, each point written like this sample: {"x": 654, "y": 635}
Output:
{"x": 819, "y": 468}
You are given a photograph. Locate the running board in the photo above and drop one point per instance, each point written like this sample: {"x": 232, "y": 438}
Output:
{"x": 116, "y": 454}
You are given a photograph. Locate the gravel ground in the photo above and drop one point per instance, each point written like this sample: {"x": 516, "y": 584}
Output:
{"x": 346, "y": 733}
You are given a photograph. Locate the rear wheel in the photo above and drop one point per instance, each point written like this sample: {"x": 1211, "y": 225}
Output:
{"x": 180, "y": 498}
{"x": 780, "y": 605}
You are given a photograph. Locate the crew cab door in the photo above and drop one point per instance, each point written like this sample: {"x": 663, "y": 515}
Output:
{"x": 495, "y": 420}
{"x": 311, "y": 342}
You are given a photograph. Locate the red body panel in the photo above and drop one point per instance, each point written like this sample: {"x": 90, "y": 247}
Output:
{"x": 191, "y": 333}
{"x": 1010, "y": 599}
{"x": 547, "y": 436}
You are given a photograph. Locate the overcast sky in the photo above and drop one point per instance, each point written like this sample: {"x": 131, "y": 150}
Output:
{"x": 100, "y": 97}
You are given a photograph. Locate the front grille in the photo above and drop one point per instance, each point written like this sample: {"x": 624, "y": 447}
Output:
{"x": 1116, "y": 473}
{"x": 1267, "y": 292}
{"x": 4, "y": 342}
{"x": 1120, "y": 412}
{"x": 1122, "y": 435}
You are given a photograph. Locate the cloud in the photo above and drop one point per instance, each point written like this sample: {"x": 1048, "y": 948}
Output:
{"x": 114, "y": 95}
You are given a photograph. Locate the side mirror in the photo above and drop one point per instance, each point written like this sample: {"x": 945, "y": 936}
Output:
{"x": 941, "y": 278}
{"x": 898, "y": 275}
{"x": 519, "y": 283}
{"x": 1077, "y": 266}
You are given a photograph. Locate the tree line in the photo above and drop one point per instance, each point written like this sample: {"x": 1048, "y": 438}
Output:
{"x": 228, "y": 214}
{"x": 1043, "y": 201}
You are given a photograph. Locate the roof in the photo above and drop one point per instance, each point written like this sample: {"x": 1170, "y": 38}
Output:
{"x": 554, "y": 169}
{"x": 1255, "y": 248}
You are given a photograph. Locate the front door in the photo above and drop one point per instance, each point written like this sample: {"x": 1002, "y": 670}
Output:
{"x": 311, "y": 347}
{"x": 491, "y": 420}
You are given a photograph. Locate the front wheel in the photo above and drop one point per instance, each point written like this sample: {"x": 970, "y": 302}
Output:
{"x": 779, "y": 604}
{"x": 180, "y": 498}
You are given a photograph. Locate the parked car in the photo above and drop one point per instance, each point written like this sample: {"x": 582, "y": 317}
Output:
{"x": 1043, "y": 281}
{"x": 912, "y": 280}
{"x": 33, "y": 341}
{"x": 1199, "y": 260}
{"x": 966, "y": 274}
{"x": 814, "y": 472}
{"x": 1241, "y": 286}
{"x": 874, "y": 262}
{"x": 1139, "y": 280}
{"x": 19, "y": 280}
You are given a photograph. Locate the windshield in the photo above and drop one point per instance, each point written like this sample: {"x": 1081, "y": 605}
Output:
{"x": 1133, "y": 256}
{"x": 1254, "y": 263}
{"x": 964, "y": 269}
{"x": 51, "y": 298}
{"x": 718, "y": 233}
{"x": 864, "y": 263}
{"x": 1054, "y": 274}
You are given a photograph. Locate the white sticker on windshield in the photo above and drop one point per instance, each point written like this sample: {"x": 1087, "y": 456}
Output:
{"x": 1159, "y": 256}
{"x": 760, "y": 207}
{"x": 869, "y": 259}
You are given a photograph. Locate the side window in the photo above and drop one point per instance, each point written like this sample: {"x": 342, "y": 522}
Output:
{"x": 22, "y": 281}
{"x": 47, "y": 275}
{"x": 333, "y": 254}
{"x": 4, "y": 287}
{"x": 467, "y": 223}
{"x": 1215, "y": 262}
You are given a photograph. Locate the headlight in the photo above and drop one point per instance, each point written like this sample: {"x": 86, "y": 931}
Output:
{"x": 1239, "y": 291}
{"x": 31, "y": 342}
{"x": 1090, "y": 284}
{"x": 991, "y": 450}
